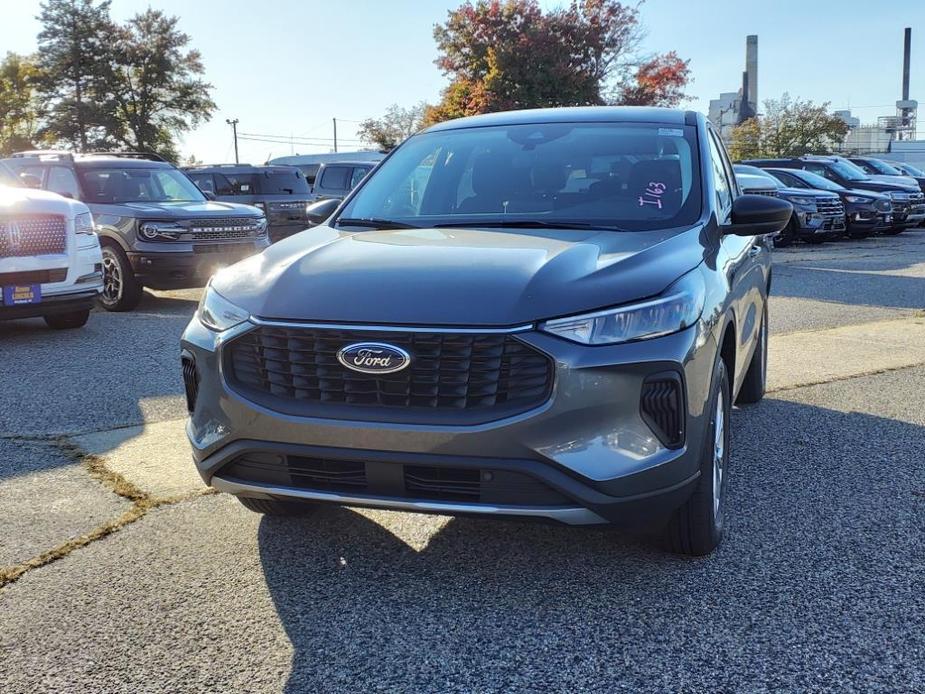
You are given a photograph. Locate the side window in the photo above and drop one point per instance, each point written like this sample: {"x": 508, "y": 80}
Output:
{"x": 204, "y": 182}
{"x": 335, "y": 177}
{"x": 358, "y": 175}
{"x": 864, "y": 165}
{"x": 62, "y": 180}
{"x": 720, "y": 179}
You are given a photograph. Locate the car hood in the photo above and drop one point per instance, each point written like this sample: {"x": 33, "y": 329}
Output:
{"x": 15, "y": 200}
{"x": 898, "y": 180}
{"x": 880, "y": 187}
{"x": 176, "y": 210}
{"x": 476, "y": 277}
{"x": 808, "y": 192}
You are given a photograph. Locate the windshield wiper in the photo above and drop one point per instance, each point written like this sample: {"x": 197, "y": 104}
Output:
{"x": 374, "y": 223}
{"x": 530, "y": 224}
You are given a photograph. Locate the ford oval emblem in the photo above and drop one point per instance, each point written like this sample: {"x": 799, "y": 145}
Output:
{"x": 373, "y": 358}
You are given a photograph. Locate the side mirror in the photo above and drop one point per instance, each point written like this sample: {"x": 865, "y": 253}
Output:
{"x": 317, "y": 212}
{"x": 30, "y": 180}
{"x": 755, "y": 215}
{"x": 209, "y": 196}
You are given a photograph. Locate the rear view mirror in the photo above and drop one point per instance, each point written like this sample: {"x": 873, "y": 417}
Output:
{"x": 317, "y": 212}
{"x": 30, "y": 180}
{"x": 754, "y": 215}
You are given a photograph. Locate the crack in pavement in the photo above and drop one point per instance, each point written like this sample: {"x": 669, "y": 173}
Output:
{"x": 142, "y": 503}
{"x": 848, "y": 377}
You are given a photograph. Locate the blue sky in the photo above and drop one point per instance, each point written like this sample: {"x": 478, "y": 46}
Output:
{"x": 287, "y": 68}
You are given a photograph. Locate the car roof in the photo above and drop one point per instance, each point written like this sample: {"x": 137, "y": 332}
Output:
{"x": 576, "y": 114}
{"x": 101, "y": 161}
{"x": 240, "y": 168}
{"x": 329, "y": 164}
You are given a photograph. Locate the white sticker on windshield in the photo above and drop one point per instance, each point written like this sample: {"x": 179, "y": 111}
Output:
{"x": 671, "y": 132}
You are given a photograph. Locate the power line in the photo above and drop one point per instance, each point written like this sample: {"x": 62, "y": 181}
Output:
{"x": 297, "y": 140}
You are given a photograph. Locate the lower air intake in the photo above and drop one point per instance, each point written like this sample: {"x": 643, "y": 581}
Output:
{"x": 662, "y": 408}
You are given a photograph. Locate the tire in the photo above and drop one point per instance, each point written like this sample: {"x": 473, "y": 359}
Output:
{"x": 756, "y": 378}
{"x": 786, "y": 237}
{"x": 696, "y": 528}
{"x": 121, "y": 289}
{"x": 273, "y": 507}
{"x": 67, "y": 321}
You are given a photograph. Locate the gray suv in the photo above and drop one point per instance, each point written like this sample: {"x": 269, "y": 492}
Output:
{"x": 156, "y": 228}
{"x": 281, "y": 192}
{"x": 542, "y": 314}
{"x": 337, "y": 179}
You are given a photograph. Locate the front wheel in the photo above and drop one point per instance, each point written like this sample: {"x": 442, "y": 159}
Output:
{"x": 696, "y": 528}
{"x": 67, "y": 321}
{"x": 121, "y": 289}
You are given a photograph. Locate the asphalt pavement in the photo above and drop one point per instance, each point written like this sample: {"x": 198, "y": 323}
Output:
{"x": 819, "y": 586}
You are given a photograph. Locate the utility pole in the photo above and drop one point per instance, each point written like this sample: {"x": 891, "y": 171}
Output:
{"x": 234, "y": 128}
{"x": 335, "y": 133}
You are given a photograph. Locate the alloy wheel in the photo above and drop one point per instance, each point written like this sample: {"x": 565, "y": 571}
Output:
{"x": 719, "y": 453}
{"x": 112, "y": 277}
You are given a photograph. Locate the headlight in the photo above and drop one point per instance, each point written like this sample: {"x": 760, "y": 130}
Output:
{"x": 858, "y": 199}
{"x": 153, "y": 231}
{"x": 800, "y": 200}
{"x": 83, "y": 223}
{"x": 677, "y": 308}
{"x": 262, "y": 226}
{"x": 217, "y": 313}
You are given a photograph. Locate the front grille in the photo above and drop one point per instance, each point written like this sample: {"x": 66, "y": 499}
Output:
{"x": 477, "y": 376}
{"x": 394, "y": 480}
{"x": 223, "y": 228}
{"x": 32, "y": 235}
{"x": 662, "y": 408}
{"x": 295, "y": 205}
{"x": 190, "y": 381}
{"x": 33, "y": 277}
{"x": 830, "y": 207}
{"x": 449, "y": 484}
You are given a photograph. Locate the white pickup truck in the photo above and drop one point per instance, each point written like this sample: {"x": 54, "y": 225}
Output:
{"x": 50, "y": 260}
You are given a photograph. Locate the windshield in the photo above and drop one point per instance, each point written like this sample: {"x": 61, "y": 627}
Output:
{"x": 282, "y": 183}
{"x": 884, "y": 168}
{"x": 912, "y": 170}
{"x": 849, "y": 171}
{"x": 7, "y": 177}
{"x": 119, "y": 185}
{"x": 755, "y": 171}
{"x": 632, "y": 176}
{"x": 817, "y": 181}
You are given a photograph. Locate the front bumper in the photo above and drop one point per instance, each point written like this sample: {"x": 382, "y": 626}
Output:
{"x": 818, "y": 224}
{"x": 588, "y": 445}
{"x": 182, "y": 266}
{"x": 52, "y": 305}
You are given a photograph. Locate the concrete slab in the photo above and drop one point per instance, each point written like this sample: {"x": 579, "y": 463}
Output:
{"x": 155, "y": 457}
{"x": 46, "y": 500}
{"x": 814, "y": 357}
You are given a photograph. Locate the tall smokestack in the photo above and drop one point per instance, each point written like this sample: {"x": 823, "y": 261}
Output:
{"x": 751, "y": 67}
{"x": 907, "y": 55}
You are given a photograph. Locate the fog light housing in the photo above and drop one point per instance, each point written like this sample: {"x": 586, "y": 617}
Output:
{"x": 190, "y": 380}
{"x": 662, "y": 407}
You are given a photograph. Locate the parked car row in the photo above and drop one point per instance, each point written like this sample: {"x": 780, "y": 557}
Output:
{"x": 155, "y": 227}
{"x": 836, "y": 197}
